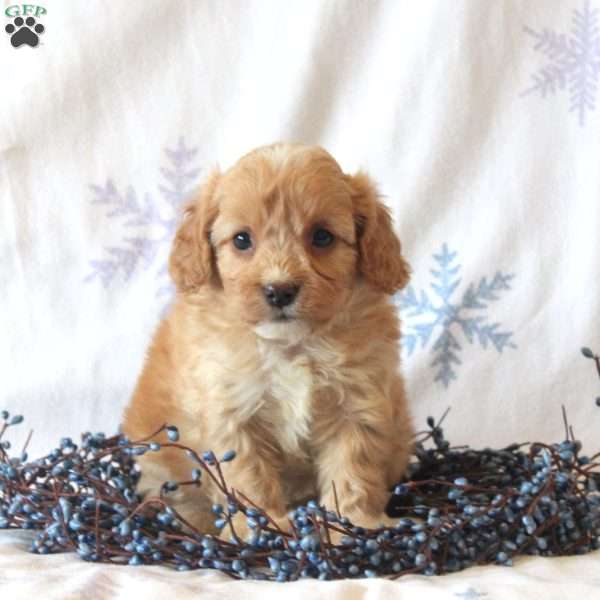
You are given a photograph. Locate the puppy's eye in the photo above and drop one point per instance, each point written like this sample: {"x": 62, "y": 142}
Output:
{"x": 322, "y": 238}
{"x": 242, "y": 240}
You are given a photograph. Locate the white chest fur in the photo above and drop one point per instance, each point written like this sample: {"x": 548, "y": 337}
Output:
{"x": 270, "y": 377}
{"x": 287, "y": 400}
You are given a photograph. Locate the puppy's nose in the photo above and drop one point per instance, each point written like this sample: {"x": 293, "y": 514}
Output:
{"x": 280, "y": 294}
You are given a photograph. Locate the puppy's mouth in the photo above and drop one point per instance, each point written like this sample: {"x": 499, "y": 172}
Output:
{"x": 284, "y": 327}
{"x": 282, "y": 317}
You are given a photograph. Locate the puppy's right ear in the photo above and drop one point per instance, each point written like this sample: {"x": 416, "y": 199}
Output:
{"x": 192, "y": 262}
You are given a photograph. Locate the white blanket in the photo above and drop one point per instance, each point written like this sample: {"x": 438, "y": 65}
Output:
{"x": 478, "y": 121}
{"x": 64, "y": 577}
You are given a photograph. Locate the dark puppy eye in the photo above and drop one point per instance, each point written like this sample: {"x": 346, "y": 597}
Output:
{"x": 322, "y": 238}
{"x": 242, "y": 240}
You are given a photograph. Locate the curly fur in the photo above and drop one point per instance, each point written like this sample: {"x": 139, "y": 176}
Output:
{"x": 306, "y": 395}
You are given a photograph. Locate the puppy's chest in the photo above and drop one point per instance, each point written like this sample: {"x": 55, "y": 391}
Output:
{"x": 286, "y": 405}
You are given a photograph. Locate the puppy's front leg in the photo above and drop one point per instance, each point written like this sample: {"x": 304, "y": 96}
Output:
{"x": 256, "y": 472}
{"x": 354, "y": 453}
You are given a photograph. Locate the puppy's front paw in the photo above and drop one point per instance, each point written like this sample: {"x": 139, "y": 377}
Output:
{"x": 365, "y": 521}
{"x": 237, "y": 529}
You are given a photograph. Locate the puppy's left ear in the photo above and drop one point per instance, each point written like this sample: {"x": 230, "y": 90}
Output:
{"x": 380, "y": 258}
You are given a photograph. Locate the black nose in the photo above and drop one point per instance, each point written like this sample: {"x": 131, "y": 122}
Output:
{"x": 281, "y": 294}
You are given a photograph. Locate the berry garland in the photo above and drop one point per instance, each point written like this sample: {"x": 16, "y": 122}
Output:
{"x": 458, "y": 507}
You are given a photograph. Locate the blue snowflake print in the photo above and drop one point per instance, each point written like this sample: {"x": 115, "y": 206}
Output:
{"x": 470, "y": 594}
{"x": 425, "y": 318}
{"x": 150, "y": 224}
{"x": 572, "y": 62}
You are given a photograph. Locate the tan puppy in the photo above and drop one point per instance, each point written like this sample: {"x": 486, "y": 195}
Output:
{"x": 282, "y": 343}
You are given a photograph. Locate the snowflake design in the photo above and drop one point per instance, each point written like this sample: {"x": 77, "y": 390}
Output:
{"x": 152, "y": 226}
{"x": 451, "y": 318}
{"x": 470, "y": 594}
{"x": 573, "y": 62}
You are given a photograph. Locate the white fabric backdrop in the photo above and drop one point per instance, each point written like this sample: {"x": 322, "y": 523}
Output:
{"x": 476, "y": 118}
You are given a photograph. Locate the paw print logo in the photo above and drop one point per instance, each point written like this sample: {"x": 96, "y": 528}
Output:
{"x": 24, "y": 32}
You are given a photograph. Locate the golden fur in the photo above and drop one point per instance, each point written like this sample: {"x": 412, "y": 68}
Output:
{"x": 306, "y": 394}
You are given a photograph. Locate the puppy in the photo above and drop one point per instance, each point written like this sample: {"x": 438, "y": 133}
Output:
{"x": 282, "y": 343}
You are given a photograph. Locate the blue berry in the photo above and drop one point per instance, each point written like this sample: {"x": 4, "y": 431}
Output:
{"x": 173, "y": 433}
{"x": 209, "y": 457}
{"x": 228, "y": 456}
{"x": 401, "y": 490}
{"x": 420, "y": 560}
